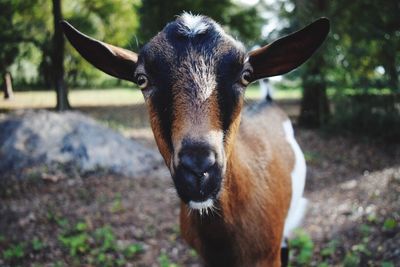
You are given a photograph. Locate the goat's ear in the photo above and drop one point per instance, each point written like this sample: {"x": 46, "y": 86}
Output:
{"x": 115, "y": 61}
{"x": 289, "y": 52}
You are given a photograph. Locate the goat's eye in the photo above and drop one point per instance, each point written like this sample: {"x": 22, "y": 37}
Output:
{"x": 142, "y": 81}
{"x": 245, "y": 77}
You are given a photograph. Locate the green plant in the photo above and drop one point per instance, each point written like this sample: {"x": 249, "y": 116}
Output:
{"x": 81, "y": 227}
{"x": 77, "y": 243}
{"x": 57, "y": 264}
{"x": 351, "y": 259}
{"x": 389, "y": 224}
{"x": 387, "y": 264}
{"x": 311, "y": 156}
{"x": 77, "y": 240}
{"x": 62, "y": 222}
{"x": 365, "y": 229}
{"x": 15, "y": 251}
{"x": 165, "y": 261}
{"x": 330, "y": 249}
{"x": 192, "y": 253}
{"x": 37, "y": 244}
{"x": 117, "y": 204}
{"x": 301, "y": 247}
{"x": 372, "y": 218}
{"x": 97, "y": 247}
{"x": 132, "y": 250}
{"x": 106, "y": 238}
{"x": 361, "y": 248}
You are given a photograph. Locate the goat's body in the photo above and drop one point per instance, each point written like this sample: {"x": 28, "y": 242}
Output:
{"x": 248, "y": 227}
{"x": 250, "y": 174}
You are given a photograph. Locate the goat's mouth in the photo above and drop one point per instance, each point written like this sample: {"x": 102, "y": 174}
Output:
{"x": 203, "y": 207}
{"x": 198, "y": 191}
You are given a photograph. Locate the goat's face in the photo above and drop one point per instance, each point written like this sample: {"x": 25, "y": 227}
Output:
{"x": 193, "y": 76}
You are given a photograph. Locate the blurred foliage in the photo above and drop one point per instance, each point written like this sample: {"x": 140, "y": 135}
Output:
{"x": 23, "y": 28}
{"x": 242, "y": 22}
{"x": 372, "y": 115}
{"x": 27, "y": 36}
{"x": 112, "y": 21}
{"x": 301, "y": 248}
{"x": 362, "y": 52}
{"x": 27, "y": 31}
{"x": 363, "y": 47}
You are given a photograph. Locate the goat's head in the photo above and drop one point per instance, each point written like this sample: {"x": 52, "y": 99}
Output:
{"x": 193, "y": 77}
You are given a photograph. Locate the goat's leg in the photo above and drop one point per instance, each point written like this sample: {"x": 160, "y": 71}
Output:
{"x": 285, "y": 253}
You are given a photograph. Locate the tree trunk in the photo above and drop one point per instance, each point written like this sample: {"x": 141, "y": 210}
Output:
{"x": 7, "y": 86}
{"x": 58, "y": 59}
{"x": 393, "y": 76}
{"x": 314, "y": 110}
{"x": 314, "y": 104}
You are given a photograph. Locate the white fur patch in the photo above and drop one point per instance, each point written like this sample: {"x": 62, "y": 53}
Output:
{"x": 202, "y": 207}
{"x": 266, "y": 89}
{"x": 201, "y": 68}
{"x": 298, "y": 203}
{"x": 192, "y": 24}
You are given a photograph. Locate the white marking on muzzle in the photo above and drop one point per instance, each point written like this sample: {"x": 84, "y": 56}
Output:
{"x": 202, "y": 206}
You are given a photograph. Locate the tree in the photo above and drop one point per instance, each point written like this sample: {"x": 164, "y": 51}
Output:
{"x": 27, "y": 42}
{"x": 58, "y": 59}
{"x": 369, "y": 40}
{"x": 314, "y": 110}
{"x": 113, "y": 21}
{"x": 364, "y": 40}
{"x": 294, "y": 15}
{"x": 10, "y": 35}
{"x": 243, "y": 23}
{"x": 8, "y": 89}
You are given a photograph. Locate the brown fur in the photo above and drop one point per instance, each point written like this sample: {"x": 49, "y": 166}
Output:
{"x": 155, "y": 126}
{"x": 256, "y": 192}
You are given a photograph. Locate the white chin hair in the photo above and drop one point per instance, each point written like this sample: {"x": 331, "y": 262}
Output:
{"x": 202, "y": 206}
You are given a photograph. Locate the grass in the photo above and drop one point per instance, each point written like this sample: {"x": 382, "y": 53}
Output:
{"x": 164, "y": 261}
{"x": 253, "y": 92}
{"x": 107, "y": 97}
{"x": 82, "y": 245}
{"x": 97, "y": 247}
{"x": 15, "y": 251}
{"x": 302, "y": 248}
{"x": 130, "y": 96}
{"x": 77, "y": 98}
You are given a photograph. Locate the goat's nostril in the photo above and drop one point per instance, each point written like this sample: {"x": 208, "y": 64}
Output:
{"x": 197, "y": 161}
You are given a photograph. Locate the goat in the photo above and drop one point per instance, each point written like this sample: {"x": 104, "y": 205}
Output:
{"x": 240, "y": 181}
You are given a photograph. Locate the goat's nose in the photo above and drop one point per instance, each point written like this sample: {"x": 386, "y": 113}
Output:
{"x": 197, "y": 160}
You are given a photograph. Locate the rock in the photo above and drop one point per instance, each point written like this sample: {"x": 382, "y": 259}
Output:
{"x": 35, "y": 138}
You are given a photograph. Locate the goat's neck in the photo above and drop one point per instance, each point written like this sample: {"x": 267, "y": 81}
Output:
{"x": 237, "y": 186}
{"x": 219, "y": 235}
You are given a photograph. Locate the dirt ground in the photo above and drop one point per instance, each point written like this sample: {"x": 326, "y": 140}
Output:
{"x": 353, "y": 187}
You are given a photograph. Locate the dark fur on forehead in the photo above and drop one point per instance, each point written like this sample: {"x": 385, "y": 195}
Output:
{"x": 178, "y": 37}
{"x": 170, "y": 49}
